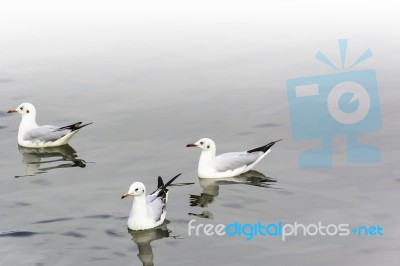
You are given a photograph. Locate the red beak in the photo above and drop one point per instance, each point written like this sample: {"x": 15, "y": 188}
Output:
{"x": 191, "y": 145}
{"x": 12, "y": 111}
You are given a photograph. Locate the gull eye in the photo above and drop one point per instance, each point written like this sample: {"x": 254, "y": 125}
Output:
{"x": 201, "y": 143}
{"x": 136, "y": 189}
{"x": 21, "y": 108}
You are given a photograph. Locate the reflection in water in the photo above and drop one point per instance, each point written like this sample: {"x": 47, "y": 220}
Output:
{"x": 143, "y": 239}
{"x": 211, "y": 188}
{"x": 53, "y": 157}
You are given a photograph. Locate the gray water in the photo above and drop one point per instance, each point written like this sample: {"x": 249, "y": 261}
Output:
{"x": 155, "y": 78}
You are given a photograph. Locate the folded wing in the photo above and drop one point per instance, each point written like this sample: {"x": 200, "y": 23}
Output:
{"x": 234, "y": 160}
{"x": 157, "y": 200}
{"x": 51, "y": 133}
{"x": 46, "y": 133}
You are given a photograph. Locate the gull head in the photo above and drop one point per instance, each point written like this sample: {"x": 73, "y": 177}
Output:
{"x": 25, "y": 109}
{"x": 204, "y": 144}
{"x": 136, "y": 189}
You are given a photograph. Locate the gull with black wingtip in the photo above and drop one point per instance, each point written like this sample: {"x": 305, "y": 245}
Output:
{"x": 30, "y": 135}
{"x": 227, "y": 164}
{"x": 148, "y": 211}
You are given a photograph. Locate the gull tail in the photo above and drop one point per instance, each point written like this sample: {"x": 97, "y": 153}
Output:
{"x": 74, "y": 127}
{"x": 264, "y": 148}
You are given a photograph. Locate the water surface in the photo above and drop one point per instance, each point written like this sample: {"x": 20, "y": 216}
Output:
{"x": 152, "y": 87}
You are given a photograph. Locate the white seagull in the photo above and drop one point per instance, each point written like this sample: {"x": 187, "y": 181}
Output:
{"x": 31, "y": 135}
{"x": 227, "y": 164}
{"x": 148, "y": 211}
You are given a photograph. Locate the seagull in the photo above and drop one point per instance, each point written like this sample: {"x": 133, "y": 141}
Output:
{"x": 30, "y": 135}
{"x": 227, "y": 164}
{"x": 148, "y": 211}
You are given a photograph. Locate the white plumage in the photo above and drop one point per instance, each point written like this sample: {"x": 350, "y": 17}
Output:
{"x": 148, "y": 211}
{"x": 227, "y": 164}
{"x": 31, "y": 135}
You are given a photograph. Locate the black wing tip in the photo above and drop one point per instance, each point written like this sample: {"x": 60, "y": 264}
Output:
{"x": 163, "y": 188}
{"x": 79, "y": 127}
{"x": 74, "y": 126}
{"x": 264, "y": 148}
{"x": 170, "y": 181}
{"x": 160, "y": 182}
